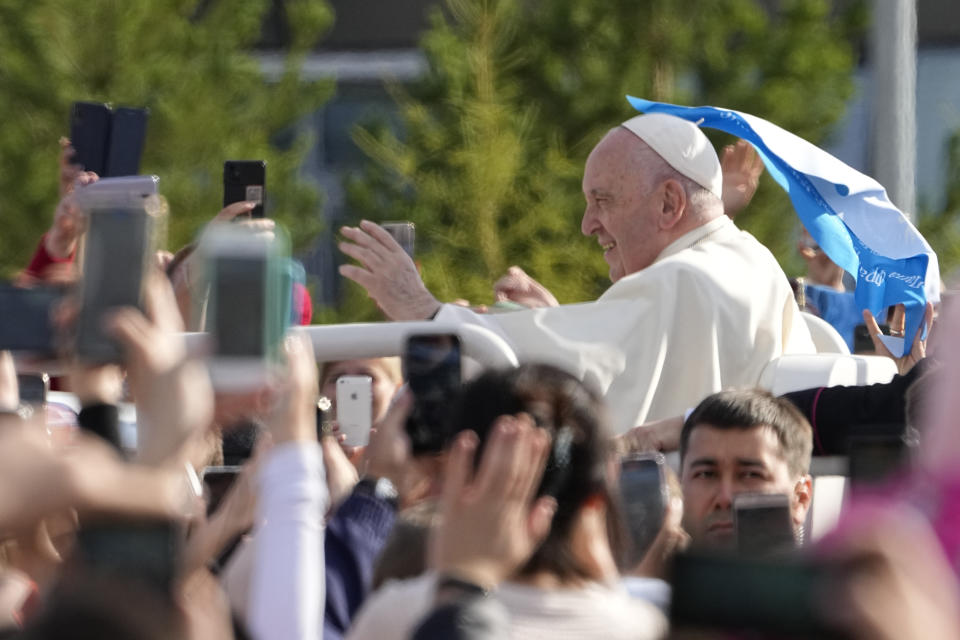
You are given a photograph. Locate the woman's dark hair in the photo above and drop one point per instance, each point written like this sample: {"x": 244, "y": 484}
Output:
{"x": 580, "y": 449}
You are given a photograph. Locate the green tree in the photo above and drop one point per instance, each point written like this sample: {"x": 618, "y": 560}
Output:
{"x": 495, "y": 135}
{"x": 190, "y": 63}
{"x": 942, "y": 229}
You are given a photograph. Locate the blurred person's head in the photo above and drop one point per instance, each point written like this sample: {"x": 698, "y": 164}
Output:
{"x": 88, "y": 605}
{"x": 648, "y": 182}
{"x": 385, "y": 374}
{"x": 741, "y": 441}
{"x": 586, "y": 534}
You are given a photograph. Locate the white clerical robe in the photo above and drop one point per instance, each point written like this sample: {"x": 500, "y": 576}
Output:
{"x": 709, "y": 314}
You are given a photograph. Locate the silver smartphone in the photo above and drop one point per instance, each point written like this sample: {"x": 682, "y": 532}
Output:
{"x": 404, "y": 233}
{"x": 355, "y": 408}
{"x": 118, "y": 248}
{"x": 645, "y": 496}
{"x": 245, "y": 312}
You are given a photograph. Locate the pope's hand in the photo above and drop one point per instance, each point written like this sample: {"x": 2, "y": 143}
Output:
{"x": 519, "y": 287}
{"x": 387, "y": 273}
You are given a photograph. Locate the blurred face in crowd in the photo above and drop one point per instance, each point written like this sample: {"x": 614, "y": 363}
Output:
{"x": 385, "y": 373}
{"x": 622, "y": 209}
{"x": 720, "y": 463}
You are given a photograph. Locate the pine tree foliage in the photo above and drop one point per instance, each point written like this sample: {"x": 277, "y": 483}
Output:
{"x": 190, "y": 62}
{"x": 494, "y": 137}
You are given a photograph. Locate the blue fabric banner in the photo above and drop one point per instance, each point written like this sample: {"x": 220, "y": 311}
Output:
{"x": 847, "y": 213}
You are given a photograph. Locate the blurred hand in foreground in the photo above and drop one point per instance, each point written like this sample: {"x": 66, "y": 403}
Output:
{"x": 492, "y": 520}
{"x": 172, "y": 391}
{"x": 294, "y": 415}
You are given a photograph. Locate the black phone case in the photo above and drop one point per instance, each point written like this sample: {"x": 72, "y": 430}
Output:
{"x": 240, "y": 180}
{"x": 128, "y": 131}
{"x": 89, "y": 135}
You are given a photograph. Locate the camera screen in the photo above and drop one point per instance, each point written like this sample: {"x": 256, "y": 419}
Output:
{"x": 642, "y": 492}
{"x": 432, "y": 369}
{"x": 764, "y": 528}
{"x": 25, "y": 320}
{"x": 112, "y": 273}
{"x": 240, "y": 305}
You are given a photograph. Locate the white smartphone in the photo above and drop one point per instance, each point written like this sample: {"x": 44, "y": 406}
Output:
{"x": 243, "y": 316}
{"x": 128, "y": 191}
{"x": 355, "y": 408}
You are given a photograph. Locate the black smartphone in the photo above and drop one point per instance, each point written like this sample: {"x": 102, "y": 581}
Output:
{"x": 116, "y": 256}
{"x": 128, "y": 131}
{"x": 762, "y": 523}
{"x": 404, "y": 233}
{"x": 25, "y": 319}
{"x": 875, "y": 458}
{"x": 861, "y": 338}
{"x": 726, "y": 592}
{"x": 144, "y": 551}
{"x": 33, "y": 388}
{"x": 217, "y": 482}
{"x": 431, "y": 366}
{"x": 243, "y": 181}
{"x": 90, "y": 135}
{"x": 644, "y": 493}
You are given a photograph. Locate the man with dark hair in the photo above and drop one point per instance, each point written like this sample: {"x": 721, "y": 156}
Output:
{"x": 742, "y": 441}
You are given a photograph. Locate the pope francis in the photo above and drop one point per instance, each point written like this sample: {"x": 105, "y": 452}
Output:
{"x": 696, "y": 305}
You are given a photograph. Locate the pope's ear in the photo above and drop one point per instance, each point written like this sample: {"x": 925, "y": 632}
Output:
{"x": 674, "y": 204}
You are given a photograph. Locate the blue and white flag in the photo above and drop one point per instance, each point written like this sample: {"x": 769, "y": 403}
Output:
{"x": 846, "y": 212}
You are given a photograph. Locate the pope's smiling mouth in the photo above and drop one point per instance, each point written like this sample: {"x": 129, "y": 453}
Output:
{"x": 608, "y": 246}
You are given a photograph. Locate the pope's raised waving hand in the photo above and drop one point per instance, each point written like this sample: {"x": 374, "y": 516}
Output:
{"x": 386, "y": 272}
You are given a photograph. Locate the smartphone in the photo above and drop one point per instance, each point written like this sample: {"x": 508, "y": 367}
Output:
{"x": 89, "y": 135}
{"x": 145, "y": 551}
{"x": 873, "y": 459}
{"x": 404, "y": 233}
{"x": 727, "y": 592}
{"x": 762, "y": 523}
{"x": 118, "y": 251}
{"x": 246, "y": 312}
{"x": 25, "y": 319}
{"x": 245, "y": 181}
{"x": 644, "y": 494}
{"x": 128, "y": 131}
{"x": 126, "y": 191}
{"x": 33, "y": 388}
{"x": 217, "y": 482}
{"x": 355, "y": 408}
{"x": 861, "y": 338}
{"x": 431, "y": 366}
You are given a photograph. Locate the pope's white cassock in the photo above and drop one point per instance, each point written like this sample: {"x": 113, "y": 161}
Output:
{"x": 708, "y": 314}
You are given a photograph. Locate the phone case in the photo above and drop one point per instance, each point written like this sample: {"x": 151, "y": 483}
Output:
{"x": 355, "y": 408}
{"x": 245, "y": 180}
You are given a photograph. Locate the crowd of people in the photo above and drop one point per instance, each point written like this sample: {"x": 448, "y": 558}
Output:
{"x": 520, "y": 525}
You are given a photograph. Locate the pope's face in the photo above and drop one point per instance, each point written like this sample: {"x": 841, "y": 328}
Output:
{"x": 621, "y": 210}
{"x": 720, "y": 463}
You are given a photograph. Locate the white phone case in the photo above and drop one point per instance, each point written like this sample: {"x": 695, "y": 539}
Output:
{"x": 355, "y": 408}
